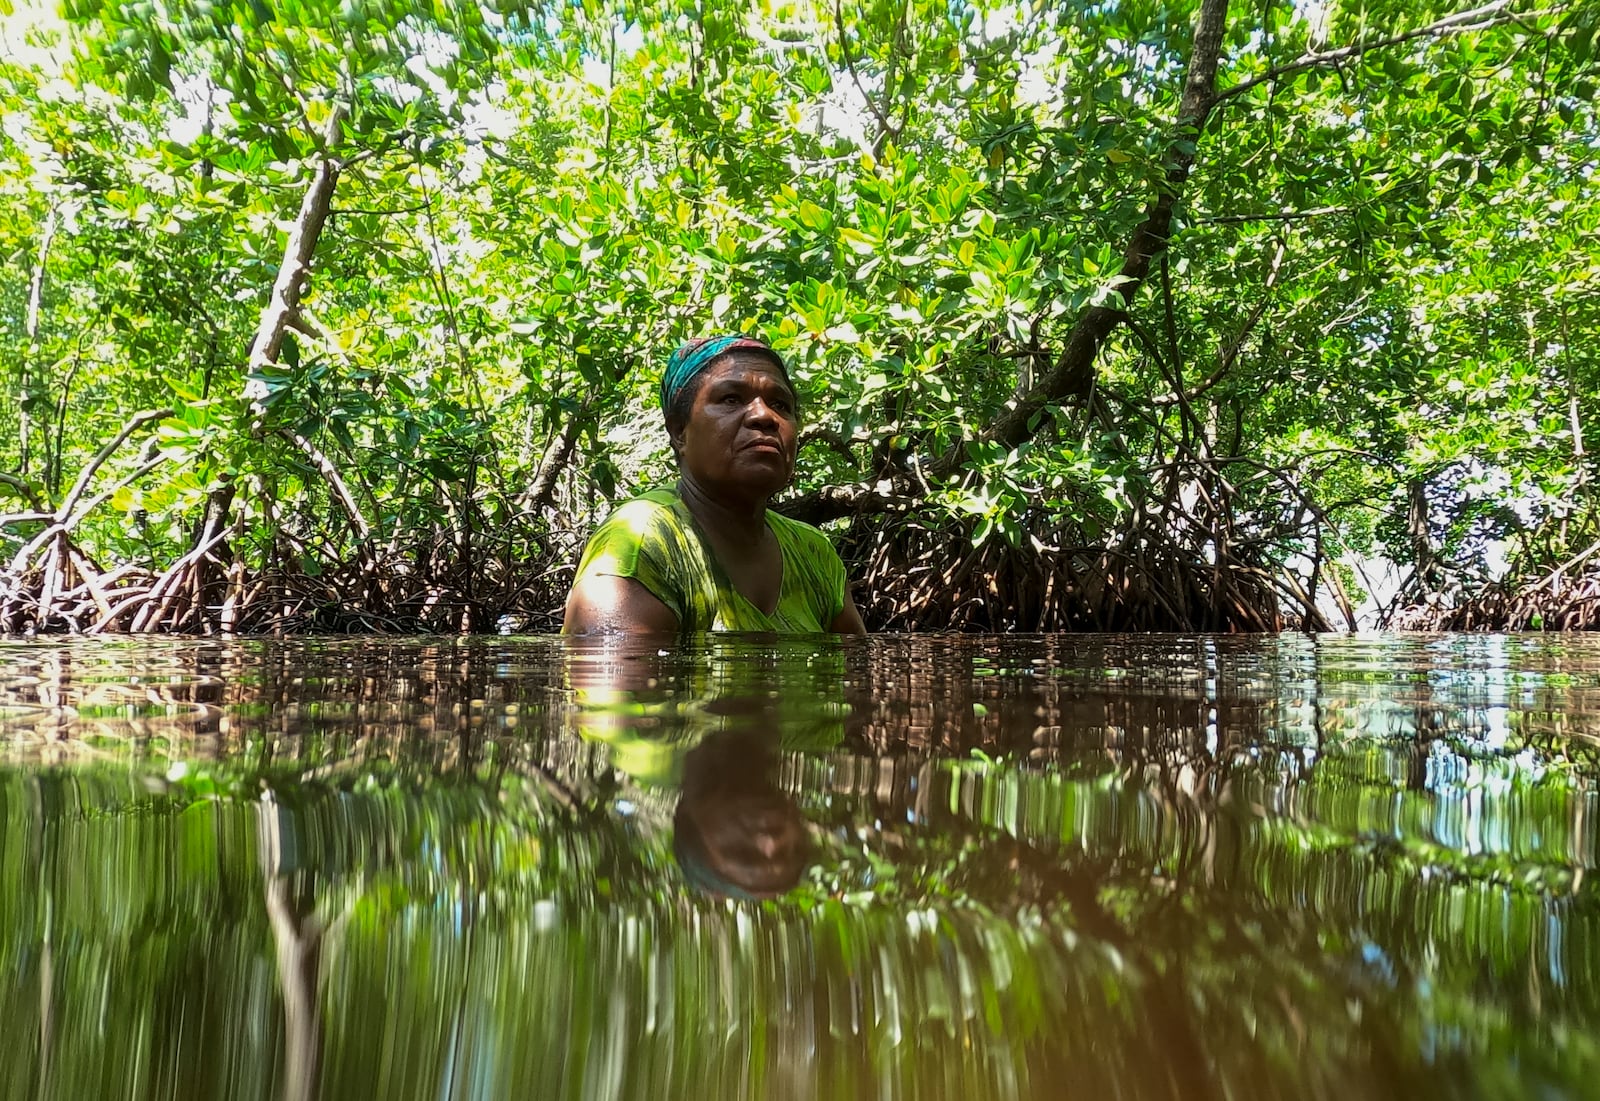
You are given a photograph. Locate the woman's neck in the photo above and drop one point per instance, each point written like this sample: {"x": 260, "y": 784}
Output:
{"x": 722, "y": 519}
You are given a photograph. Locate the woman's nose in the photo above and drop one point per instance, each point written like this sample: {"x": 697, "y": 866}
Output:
{"x": 759, "y": 411}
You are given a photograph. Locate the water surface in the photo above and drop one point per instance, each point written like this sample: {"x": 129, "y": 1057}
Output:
{"x": 916, "y": 867}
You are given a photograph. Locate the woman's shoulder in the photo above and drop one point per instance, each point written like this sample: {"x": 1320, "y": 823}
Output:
{"x": 803, "y": 536}
{"x": 798, "y": 528}
{"x": 658, "y": 498}
{"x": 649, "y": 524}
{"x": 649, "y": 509}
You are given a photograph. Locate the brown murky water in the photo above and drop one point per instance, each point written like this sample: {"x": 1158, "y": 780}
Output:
{"x": 906, "y": 867}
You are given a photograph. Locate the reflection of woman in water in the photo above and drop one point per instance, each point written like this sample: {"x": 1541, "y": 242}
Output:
{"x": 736, "y": 833}
{"x": 696, "y": 733}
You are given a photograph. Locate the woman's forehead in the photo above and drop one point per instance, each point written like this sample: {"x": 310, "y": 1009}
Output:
{"x": 744, "y": 365}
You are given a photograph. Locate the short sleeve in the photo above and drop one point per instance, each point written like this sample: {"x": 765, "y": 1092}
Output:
{"x": 639, "y": 540}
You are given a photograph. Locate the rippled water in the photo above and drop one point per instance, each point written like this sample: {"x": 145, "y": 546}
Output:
{"x": 903, "y": 867}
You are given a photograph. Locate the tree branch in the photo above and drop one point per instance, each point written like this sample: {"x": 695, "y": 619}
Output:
{"x": 1489, "y": 15}
{"x": 24, "y": 490}
{"x": 64, "y": 518}
{"x": 1282, "y": 216}
{"x": 336, "y": 483}
{"x": 1230, "y": 351}
{"x": 555, "y": 460}
{"x": 137, "y": 421}
{"x": 886, "y": 129}
{"x": 30, "y": 328}
{"x": 836, "y": 502}
{"x": 294, "y": 273}
{"x": 1074, "y": 373}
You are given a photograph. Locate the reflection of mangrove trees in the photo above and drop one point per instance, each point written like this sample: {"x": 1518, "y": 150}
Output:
{"x": 1280, "y": 869}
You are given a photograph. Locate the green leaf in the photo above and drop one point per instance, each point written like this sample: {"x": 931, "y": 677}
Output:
{"x": 814, "y": 217}
{"x": 858, "y": 241}
{"x": 160, "y": 64}
{"x": 341, "y": 432}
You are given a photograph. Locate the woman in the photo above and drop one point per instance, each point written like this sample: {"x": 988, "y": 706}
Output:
{"x": 707, "y": 555}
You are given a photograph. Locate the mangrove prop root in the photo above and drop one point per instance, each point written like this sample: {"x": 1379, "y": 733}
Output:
{"x": 421, "y": 588}
{"x": 1182, "y": 560}
{"x": 1545, "y": 590}
{"x": 907, "y": 579}
{"x": 1571, "y": 606}
{"x": 909, "y": 582}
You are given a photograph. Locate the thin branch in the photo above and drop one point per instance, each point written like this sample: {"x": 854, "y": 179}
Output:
{"x": 301, "y": 107}
{"x": 1477, "y": 19}
{"x": 9, "y": 518}
{"x": 1169, "y": 374}
{"x": 1285, "y": 216}
{"x": 31, "y": 330}
{"x": 885, "y": 127}
{"x": 23, "y": 489}
{"x": 1229, "y": 353}
{"x": 334, "y": 212}
{"x": 440, "y": 279}
{"x": 137, "y": 421}
{"x": 64, "y": 524}
{"x": 336, "y": 483}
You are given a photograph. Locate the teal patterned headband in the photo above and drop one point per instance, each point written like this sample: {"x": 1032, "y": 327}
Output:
{"x": 694, "y": 356}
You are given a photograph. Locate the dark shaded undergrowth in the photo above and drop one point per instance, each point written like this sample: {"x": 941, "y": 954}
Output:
{"x": 909, "y": 573}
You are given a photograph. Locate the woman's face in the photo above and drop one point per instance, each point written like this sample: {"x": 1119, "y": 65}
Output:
{"x": 742, "y": 432}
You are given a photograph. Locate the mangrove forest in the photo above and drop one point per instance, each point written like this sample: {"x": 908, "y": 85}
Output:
{"x": 348, "y": 316}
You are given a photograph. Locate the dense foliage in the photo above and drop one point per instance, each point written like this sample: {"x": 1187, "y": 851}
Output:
{"x": 1132, "y": 314}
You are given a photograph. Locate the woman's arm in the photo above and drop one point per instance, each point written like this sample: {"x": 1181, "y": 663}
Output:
{"x": 603, "y": 603}
{"x": 848, "y": 621}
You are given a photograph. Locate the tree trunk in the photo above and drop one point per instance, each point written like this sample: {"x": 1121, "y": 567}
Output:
{"x": 1073, "y": 377}
{"x": 295, "y": 271}
{"x": 31, "y": 331}
{"x": 283, "y": 307}
{"x": 1421, "y": 536}
{"x": 556, "y": 456}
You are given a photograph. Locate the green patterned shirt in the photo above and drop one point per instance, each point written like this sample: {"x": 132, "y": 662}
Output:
{"x": 655, "y": 540}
